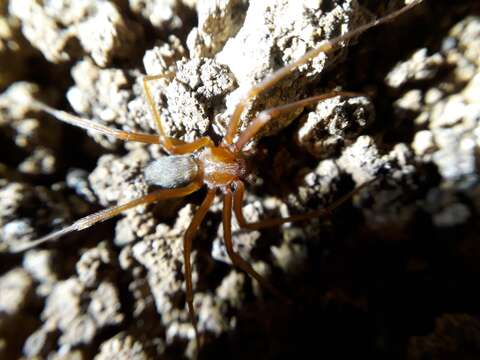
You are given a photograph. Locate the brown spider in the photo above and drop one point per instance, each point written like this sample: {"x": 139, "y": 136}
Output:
{"x": 219, "y": 167}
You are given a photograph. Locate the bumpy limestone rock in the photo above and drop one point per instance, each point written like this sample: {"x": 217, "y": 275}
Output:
{"x": 22, "y": 212}
{"x": 16, "y": 287}
{"x": 419, "y": 67}
{"x": 80, "y": 314}
{"x": 385, "y": 203}
{"x": 120, "y": 179}
{"x": 277, "y": 34}
{"x": 362, "y": 160}
{"x": 162, "y": 58}
{"x": 29, "y": 129}
{"x": 104, "y": 95}
{"x": 17, "y": 299}
{"x": 189, "y": 102}
{"x": 96, "y": 264}
{"x": 77, "y": 180}
{"x": 450, "y": 116}
{"x": 197, "y": 101}
{"x": 122, "y": 347}
{"x": 161, "y": 253}
{"x": 455, "y": 335}
{"x": 333, "y": 123}
{"x": 194, "y": 96}
{"x": 57, "y": 29}
{"x": 166, "y": 15}
{"x": 14, "y": 49}
{"x": 79, "y": 308}
{"x": 217, "y": 22}
{"x": 42, "y": 265}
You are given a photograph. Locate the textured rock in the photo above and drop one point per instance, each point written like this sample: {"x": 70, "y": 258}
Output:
{"x": 415, "y": 131}
{"x": 80, "y": 314}
{"x": 16, "y": 301}
{"x": 454, "y": 336}
{"x": 334, "y": 123}
{"x": 420, "y": 67}
{"x": 162, "y": 58}
{"x": 96, "y": 264}
{"x": 104, "y": 95}
{"x": 161, "y": 253}
{"x": 120, "y": 179}
{"x": 30, "y": 131}
{"x": 217, "y": 22}
{"x": 42, "y": 265}
{"x": 196, "y": 93}
{"x": 166, "y": 15}
{"x": 14, "y": 49}
{"x": 22, "y": 212}
{"x": 61, "y": 31}
{"x": 451, "y": 117}
{"x": 274, "y": 35}
{"x": 122, "y": 347}
{"x": 362, "y": 160}
{"x": 16, "y": 287}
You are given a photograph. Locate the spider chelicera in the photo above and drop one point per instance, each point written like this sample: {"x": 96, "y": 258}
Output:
{"x": 220, "y": 167}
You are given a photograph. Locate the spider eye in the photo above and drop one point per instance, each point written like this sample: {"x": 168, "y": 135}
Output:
{"x": 171, "y": 171}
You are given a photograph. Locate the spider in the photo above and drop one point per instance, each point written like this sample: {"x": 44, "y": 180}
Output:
{"x": 220, "y": 167}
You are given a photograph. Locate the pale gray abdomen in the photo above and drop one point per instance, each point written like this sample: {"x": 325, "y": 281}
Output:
{"x": 172, "y": 171}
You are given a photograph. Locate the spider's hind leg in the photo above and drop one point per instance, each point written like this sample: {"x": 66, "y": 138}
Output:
{"x": 187, "y": 249}
{"x": 236, "y": 259}
{"x": 106, "y": 214}
{"x": 267, "y": 223}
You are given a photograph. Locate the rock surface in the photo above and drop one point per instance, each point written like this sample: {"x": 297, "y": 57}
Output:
{"x": 404, "y": 242}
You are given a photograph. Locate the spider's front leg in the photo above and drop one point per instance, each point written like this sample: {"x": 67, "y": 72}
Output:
{"x": 266, "y": 115}
{"x": 95, "y": 126}
{"x": 325, "y": 47}
{"x": 171, "y": 145}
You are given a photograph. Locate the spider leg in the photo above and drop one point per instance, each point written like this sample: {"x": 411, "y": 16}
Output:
{"x": 236, "y": 259}
{"x": 324, "y": 47}
{"x": 151, "y": 103}
{"x": 239, "y": 193}
{"x": 266, "y": 115}
{"x": 94, "y": 126}
{"x": 171, "y": 145}
{"x": 106, "y": 214}
{"x": 187, "y": 249}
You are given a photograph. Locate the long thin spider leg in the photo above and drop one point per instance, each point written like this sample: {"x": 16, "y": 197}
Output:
{"x": 237, "y": 260}
{"x": 187, "y": 249}
{"x": 239, "y": 193}
{"x": 155, "y": 113}
{"x": 106, "y": 214}
{"x": 324, "y": 47}
{"x": 171, "y": 145}
{"x": 94, "y": 126}
{"x": 266, "y": 115}
{"x": 191, "y": 147}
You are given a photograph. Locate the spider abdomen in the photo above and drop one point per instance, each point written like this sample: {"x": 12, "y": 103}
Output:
{"x": 171, "y": 171}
